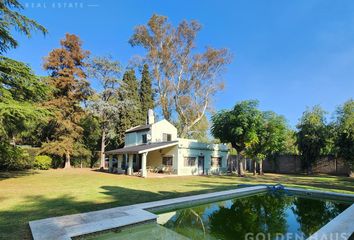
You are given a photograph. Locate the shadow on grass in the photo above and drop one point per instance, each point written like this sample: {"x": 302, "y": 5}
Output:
{"x": 16, "y": 174}
{"x": 14, "y": 221}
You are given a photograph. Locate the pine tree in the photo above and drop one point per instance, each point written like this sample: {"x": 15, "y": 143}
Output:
{"x": 68, "y": 79}
{"x": 131, "y": 114}
{"x": 146, "y": 93}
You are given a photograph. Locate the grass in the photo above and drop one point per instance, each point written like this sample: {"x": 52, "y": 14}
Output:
{"x": 26, "y": 196}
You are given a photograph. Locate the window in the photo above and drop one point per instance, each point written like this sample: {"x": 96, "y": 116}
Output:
{"x": 167, "y": 161}
{"x": 216, "y": 161}
{"x": 189, "y": 161}
{"x": 166, "y": 137}
{"x": 144, "y": 138}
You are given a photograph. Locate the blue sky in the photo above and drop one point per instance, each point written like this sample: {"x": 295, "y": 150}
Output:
{"x": 287, "y": 54}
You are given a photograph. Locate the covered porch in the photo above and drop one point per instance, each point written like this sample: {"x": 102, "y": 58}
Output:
{"x": 139, "y": 160}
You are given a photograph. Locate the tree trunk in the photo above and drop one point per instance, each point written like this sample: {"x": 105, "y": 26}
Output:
{"x": 351, "y": 173}
{"x": 103, "y": 148}
{"x": 165, "y": 110}
{"x": 67, "y": 161}
{"x": 13, "y": 141}
{"x": 261, "y": 167}
{"x": 240, "y": 165}
{"x": 254, "y": 167}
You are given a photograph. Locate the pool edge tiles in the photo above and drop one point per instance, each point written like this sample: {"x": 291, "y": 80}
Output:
{"x": 341, "y": 227}
{"x": 140, "y": 231}
{"x": 66, "y": 227}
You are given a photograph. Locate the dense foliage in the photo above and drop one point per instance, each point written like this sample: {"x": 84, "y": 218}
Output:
{"x": 344, "y": 140}
{"x": 65, "y": 118}
{"x": 251, "y": 132}
{"x": 105, "y": 105}
{"x": 146, "y": 91}
{"x": 66, "y": 68}
{"x": 20, "y": 95}
{"x": 42, "y": 162}
{"x": 311, "y": 136}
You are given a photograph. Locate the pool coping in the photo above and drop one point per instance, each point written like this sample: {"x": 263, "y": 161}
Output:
{"x": 69, "y": 226}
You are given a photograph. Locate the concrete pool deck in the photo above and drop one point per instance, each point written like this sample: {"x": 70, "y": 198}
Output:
{"x": 67, "y": 227}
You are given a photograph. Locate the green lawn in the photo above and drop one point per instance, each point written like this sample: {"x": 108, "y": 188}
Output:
{"x": 34, "y": 195}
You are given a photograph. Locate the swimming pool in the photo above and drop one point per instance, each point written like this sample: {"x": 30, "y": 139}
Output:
{"x": 271, "y": 214}
{"x": 262, "y": 212}
{"x": 268, "y": 215}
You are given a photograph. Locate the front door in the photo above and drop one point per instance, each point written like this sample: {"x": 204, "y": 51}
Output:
{"x": 201, "y": 165}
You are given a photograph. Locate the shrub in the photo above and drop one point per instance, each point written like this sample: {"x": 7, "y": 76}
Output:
{"x": 42, "y": 162}
{"x": 13, "y": 158}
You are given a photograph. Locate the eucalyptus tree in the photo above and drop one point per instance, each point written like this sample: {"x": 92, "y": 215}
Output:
{"x": 11, "y": 18}
{"x": 186, "y": 81}
{"x": 106, "y": 104}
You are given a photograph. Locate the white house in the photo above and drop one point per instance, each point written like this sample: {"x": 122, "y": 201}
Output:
{"x": 156, "y": 147}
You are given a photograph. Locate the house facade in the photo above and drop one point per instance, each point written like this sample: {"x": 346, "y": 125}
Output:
{"x": 155, "y": 147}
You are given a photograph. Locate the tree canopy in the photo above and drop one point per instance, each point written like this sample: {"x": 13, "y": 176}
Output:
{"x": 106, "y": 104}
{"x": 345, "y": 133}
{"x": 238, "y": 126}
{"x": 11, "y": 19}
{"x": 311, "y": 136}
{"x": 186, "y": 81}
{"x": 66, "y": 68}
{"x": 146, "y": 91}
{"x": 251, "y": 132}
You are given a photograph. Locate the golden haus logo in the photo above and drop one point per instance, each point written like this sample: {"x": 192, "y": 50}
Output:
{"x": 296, "y": 236}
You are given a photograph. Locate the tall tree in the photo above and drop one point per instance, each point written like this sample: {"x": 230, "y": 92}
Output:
{"x": 311, "y": 136}
{"x": 238, "y": 126}
{"x": 21, "y": 92}
{"x": 345, "y": 133}
{"x": 271, "y": 139}
{"x": 186, "y": 81}
{"x": 146, "y": 92}
{"x": 11, "y": 18}
{"x": 91, "y": 135}
{"x": 130, "y": 115}
{"x": 67, "y": 77}
{"x": 106, "y": 105}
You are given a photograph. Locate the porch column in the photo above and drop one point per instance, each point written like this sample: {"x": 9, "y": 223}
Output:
{"x": 110, "y": 163}
{"x": 130, "y": 164}
{"x": 119, "y": 161}
{"x": 143, "y": 165}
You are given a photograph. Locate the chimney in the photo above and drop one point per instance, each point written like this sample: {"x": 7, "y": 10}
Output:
{"x": 150, "y": 117}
